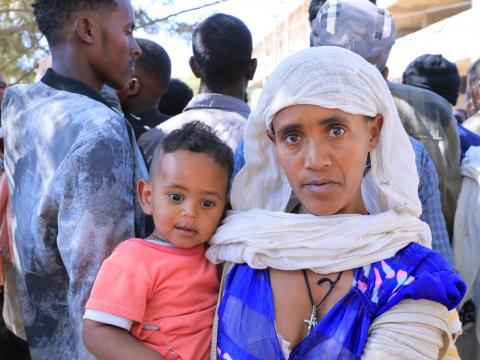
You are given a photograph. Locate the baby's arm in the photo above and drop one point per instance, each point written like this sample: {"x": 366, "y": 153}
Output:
{"x": 109, "y": 342}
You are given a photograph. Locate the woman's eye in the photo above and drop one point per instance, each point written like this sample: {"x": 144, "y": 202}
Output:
{"x": 292, "y": 139}
{"x": 175, "y": 197}
{"x": 336, "y": 132}
{"x": 208, "y": 203}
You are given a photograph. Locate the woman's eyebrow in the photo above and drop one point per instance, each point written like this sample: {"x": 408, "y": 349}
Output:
{"x": 288, "y": 128}
{"x": 333, "y": 120}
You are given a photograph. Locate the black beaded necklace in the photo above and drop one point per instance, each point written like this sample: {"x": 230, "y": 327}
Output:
{"x": 312, "y": 322}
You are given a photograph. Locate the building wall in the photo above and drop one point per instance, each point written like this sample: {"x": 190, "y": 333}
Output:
{"x": 292, "y": 34}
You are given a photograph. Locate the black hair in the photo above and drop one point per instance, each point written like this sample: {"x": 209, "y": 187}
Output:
{"x": 53, "y": 15}
{"x": 154, "y": 61}
{"x": 196, "y": 137}
{"x": 474, "y": 74}
{"x": 176, "y": 98}
{"x": 222, "y": 48}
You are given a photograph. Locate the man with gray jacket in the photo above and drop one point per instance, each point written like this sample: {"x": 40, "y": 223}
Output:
{"x": 72, "y": 163}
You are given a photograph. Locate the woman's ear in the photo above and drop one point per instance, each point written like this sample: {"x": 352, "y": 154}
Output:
{"x": 271, "y": 135}
{"x": 375, "y": 128}
{"x": 144, "y": 194}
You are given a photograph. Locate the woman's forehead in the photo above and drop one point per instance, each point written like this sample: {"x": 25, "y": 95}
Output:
{"x": 305, "y": 113}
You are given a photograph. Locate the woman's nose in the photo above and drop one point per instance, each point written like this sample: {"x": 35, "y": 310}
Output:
{"x": 317, "y": 155}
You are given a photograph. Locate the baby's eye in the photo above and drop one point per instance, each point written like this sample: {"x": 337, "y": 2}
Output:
{"x": 175, "y": 197}
{"x": 208, "y": 203}
{"x": 336, "y": 131}
{"x": 292, "y": 139}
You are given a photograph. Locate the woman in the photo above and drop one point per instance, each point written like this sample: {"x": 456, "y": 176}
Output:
{"x": 331, "y": 258}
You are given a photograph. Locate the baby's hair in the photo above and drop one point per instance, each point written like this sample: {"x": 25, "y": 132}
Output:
{"x": 195, "y": 137}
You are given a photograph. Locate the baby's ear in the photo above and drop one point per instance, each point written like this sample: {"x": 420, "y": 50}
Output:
{"x": 144, "y": 195}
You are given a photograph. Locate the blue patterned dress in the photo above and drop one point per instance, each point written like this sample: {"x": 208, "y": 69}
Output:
{"x": 246, "y": 327}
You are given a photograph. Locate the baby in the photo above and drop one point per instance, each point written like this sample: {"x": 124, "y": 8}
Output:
{"x": 161, "y": 291}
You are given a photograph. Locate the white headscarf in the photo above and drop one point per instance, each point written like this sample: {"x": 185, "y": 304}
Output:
{"x": 259, "y": 231}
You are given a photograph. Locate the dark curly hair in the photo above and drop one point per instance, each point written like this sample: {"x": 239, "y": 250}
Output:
{"x": 197, "y": 137}
{"x": 52, "y": 15}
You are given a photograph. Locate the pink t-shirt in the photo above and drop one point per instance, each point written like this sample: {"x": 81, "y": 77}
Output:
{"x": 169, "y": 293}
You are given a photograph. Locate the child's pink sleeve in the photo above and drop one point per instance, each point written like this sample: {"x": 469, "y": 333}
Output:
{"x": 119, "y": 288}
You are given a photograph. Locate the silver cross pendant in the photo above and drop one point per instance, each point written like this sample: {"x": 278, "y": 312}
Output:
{"x": 313, "y": 320}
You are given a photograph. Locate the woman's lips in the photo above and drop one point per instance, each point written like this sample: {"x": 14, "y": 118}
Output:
{"x": 320, "y": 187}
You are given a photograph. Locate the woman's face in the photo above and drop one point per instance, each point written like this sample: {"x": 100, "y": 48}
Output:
{"x": 323, "y": 153}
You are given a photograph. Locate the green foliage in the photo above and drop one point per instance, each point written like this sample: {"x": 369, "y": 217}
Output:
{"x": 21, "y": 44}
{"x": 191, "y": 81}
{"x": 167, "y": 24}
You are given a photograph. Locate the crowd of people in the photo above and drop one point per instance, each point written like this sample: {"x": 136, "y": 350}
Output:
{"x": 335, "y": 219}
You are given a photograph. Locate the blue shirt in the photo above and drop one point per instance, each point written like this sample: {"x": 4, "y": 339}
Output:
{"x": 467, "y": 139}
{"x": 428, "y": 192}
{"x": 246, "y": 314}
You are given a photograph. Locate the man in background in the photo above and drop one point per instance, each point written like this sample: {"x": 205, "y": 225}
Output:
{"x": 72, "y": 163}
{"x": 437, "y": 74}
{"x": 3, "y": 87}
{"x": 176, "y": 98}
{"x": 222, "y": 60}
{"x": 473, "y": 98}
{"x": 141, "y": 97}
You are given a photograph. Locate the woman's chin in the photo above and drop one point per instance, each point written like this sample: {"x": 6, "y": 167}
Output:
{"x": 316, "y": 210}
{"x": 331, "y": 209}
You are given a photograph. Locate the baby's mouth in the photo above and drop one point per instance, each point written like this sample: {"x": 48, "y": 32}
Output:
{"x": 186, "y": 230}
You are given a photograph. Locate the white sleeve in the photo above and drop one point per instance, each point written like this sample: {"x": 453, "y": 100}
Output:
{"x": 412, "y": 329}
{"x": 109, "y": 319}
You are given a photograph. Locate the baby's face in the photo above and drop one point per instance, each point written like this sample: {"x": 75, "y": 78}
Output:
{"x": 187, "y": 199}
